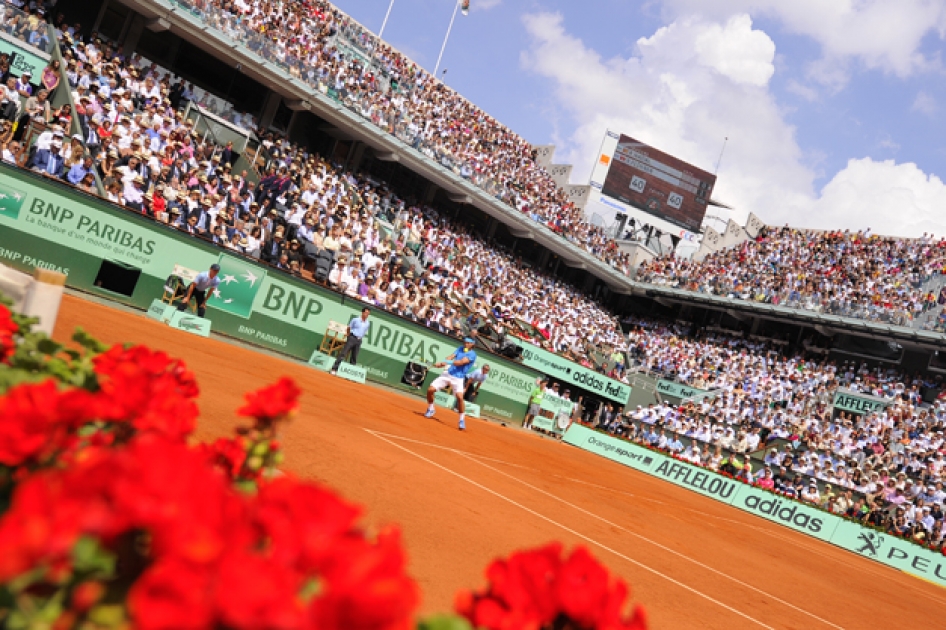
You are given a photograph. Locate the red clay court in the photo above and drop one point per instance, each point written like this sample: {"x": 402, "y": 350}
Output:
{"x": 462, "y": 499}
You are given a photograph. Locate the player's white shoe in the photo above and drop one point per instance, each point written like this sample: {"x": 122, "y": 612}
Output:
{"x": 462, "y": 425}
{"x": 429, "y": 414}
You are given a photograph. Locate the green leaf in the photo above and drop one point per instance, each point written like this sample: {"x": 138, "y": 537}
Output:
{"x": 89, "y": 557}
{"x": 52, "y": 608}
{"x": 17, "y": 621}
{"x": 88, "y": 342}
{"x": 444, "y": 622}
{"x": 109, "y": 615}
{"x": 25, "y": 580}
{"x": 47, "y": 346}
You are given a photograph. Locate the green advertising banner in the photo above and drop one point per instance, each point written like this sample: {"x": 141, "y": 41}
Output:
{"x": 793, "y": 514}
{"x": 351, "y": 372}
{"x": 856, "y": 402}
{"x": 48, "y": 225}
{"x": 546, "y": 424}
{"x": 448, "y": 400}
{"x": 556, "y": 405}
{"x": 677, "y": 390}
{"x": 616, "y": 450}
{"x": 797, "y": 515}
{"x": 892, "y": 551}
{"x": 187, "y": 322}
{"x": 555, "y": 366}
{"x": 23, "y": 57}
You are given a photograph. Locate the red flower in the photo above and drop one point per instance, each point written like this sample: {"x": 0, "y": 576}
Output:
{"x": 148, "y": 390}
{"x": 534, "y": 589}
{"x": 214, "y": 557}
{"x": 172, "y": 595}
{"x": 152, "y": 484}
{"x": 367, "y": 587}
{"x": 38, "y": 421}
{"x": 255, "y": 592}
{"x": 7, "y": 331}
{"x": 86, "y": 595}
{"x": 226, "y": 454}
{"x": 302, "y": 522}
{"x": 274, "y": 401}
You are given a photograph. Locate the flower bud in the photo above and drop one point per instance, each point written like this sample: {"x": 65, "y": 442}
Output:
{"x": 86, "y": 595}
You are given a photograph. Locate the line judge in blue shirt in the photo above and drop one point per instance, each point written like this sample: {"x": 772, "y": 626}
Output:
{"x": 459, "y": 366}
{"x": 357, "y": 329}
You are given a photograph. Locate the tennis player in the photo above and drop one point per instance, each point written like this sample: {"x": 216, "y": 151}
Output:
{"x": 458, "y": 365}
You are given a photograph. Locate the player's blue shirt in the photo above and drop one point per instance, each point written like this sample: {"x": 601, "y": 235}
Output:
{"x": 462, "y": 370}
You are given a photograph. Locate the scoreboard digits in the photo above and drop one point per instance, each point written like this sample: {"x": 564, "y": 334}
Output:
{"x": 638, "y": 184}
{"x": 675, "y": 200}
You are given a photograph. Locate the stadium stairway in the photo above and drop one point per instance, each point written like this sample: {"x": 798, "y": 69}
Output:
{"x": 578, "y": 194}
{"x": 933, "y": 285}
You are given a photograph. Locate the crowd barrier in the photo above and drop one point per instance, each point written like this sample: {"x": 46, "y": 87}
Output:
{"x": 804, "y": 518}
{"x": 126, "y": 257}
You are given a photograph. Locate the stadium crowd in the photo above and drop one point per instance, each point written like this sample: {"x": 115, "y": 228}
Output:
{"x": 850, "y": 274}
{"x": 310, "y": 40}
{"x": 853, "y": 274}
{"x": 386, "y": 250}
{"x": 886, "y": 467}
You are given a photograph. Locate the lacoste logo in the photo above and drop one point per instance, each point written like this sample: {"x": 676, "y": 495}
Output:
{"x": 189, "y": 323}
{"x": 872, "y": 543}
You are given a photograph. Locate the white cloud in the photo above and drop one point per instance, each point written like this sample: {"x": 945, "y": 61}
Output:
{"x": 806, "y": 92}
{"x": 888, "y": 143}
{"x": 736, "y": 51}
{"x": 925, "y": 104}
{"x": 484, "y": 5}
{"x": 881, "y": 34}
{"x": 685, "y": 89}
{"x": 893, "y": 199}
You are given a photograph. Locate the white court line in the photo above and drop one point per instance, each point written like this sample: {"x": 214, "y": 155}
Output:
{"x": 870, "y": 567}
{"x": 653, "y": 542}
{"x": 880, "y": 571}
{"x": 452, "y": 450}
{"x": 474, "y": 459}
{"x": 569, "y": 530}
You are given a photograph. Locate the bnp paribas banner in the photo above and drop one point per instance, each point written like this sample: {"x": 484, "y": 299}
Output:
{"x": 48, "y": 225}
{"x": 802, "y": 517}
{"x": 568, "y": 372}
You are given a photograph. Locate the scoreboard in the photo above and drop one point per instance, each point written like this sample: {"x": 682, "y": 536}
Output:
{"x": 657, "y": 183}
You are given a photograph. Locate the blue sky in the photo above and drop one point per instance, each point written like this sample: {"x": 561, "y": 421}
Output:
{"x": 835, "y": 111}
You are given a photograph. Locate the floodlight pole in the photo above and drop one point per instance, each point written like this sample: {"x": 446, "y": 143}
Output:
{"x": 386, "y": 16}
{"x": 447, "y": 36}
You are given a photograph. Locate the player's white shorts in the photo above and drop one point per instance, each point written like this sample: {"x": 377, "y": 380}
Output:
{"x": 442, "y": 381}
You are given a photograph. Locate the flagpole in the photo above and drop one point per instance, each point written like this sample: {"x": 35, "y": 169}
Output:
{"x": 386, "y": 16}
{"x": 447, "y": 36}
